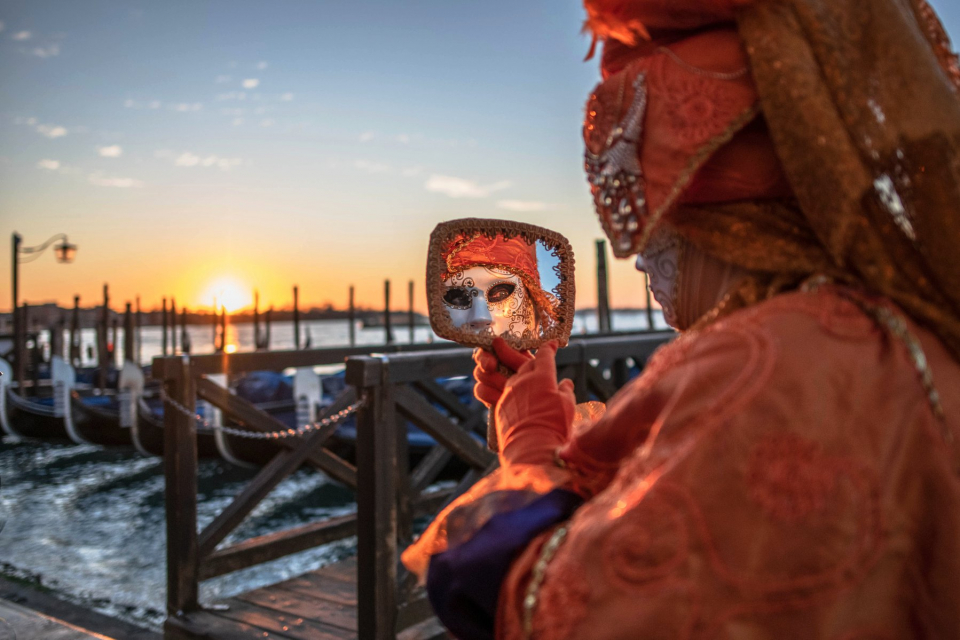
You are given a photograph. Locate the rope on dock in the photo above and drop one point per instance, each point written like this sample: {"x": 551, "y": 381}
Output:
{"x": 204, "y": 425}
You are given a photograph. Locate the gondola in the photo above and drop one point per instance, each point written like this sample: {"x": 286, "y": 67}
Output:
{"x": 31, "y": 417}
{"x": 95, "y": 419}
{"x": 147, "y": 431}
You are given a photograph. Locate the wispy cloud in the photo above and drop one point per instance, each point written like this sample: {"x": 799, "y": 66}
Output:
{"x": 190, "y": 159}
{"x": 524, "y": 205}
{"x": 261, "y": 65}
{"x": 22, "y": 36}
{"x": 2, "y": 26}
{"x": 103, "y": 180}
{"x": 232, "y": 95}
{"x": 461, "y": 187}
{"x": 184, "y": 107}
{"x": 49, "y": 165}
{"x": 51, "y": 131}
{"x": 411, "y": 172}
{"x": 286, "y": 97}
{"x": 267, "y": 122}
{"x": 113, "y": 151}
{"x": 223, "y": 78}
{"x": 48, "y": 51}
{"x": 251, "y": 83}
{"x": 367, "y": 136}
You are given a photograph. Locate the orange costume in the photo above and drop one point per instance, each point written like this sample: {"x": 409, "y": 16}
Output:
{"x": 790, "y": 466}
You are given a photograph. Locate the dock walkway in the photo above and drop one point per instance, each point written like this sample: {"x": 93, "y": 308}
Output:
{"x": 319, "y": 605}
{"x": 20, "y": 623}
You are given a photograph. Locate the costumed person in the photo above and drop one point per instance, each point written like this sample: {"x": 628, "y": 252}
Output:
{"x": 789, "y": 173}
{"x": 492, "y": 284}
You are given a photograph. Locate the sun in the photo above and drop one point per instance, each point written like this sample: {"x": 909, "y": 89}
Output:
{"x": 229, "y": 294}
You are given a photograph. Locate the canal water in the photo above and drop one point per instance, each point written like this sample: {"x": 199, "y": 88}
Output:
{"x": 87, "y": 523}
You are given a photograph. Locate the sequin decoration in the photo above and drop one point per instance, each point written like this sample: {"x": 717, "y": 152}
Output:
{"x": 893, "y": 204}
{"x": 615, "y": 176}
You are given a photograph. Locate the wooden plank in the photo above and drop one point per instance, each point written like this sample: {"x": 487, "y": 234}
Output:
{"x": 429, "y": 467}
{"x": 276, "y": 622}
{"x": 377, "y": 508}
{"x": 435, "y": 392}
{"x": 277, "y": 360}
{"x": 304, "y": 606}
{"x": 345, "y": 569}
{"x": 180, "y": 476}
{"x": 322, "y": 586}
{"x": 277, "y": 545}
{"x": 278, "y": 469}
{"x": 207, "y": 625}
{"x": 415, "y": 408}
{"x": 253, "y": 418}
{"x": 427, "y": 630}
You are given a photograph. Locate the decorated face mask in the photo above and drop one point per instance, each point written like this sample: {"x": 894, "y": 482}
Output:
{"x": 485, "y": 299}
{"x": 661, "y": 262}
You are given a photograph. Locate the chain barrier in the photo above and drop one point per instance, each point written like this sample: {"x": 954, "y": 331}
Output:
{"x": 203, "y": 425}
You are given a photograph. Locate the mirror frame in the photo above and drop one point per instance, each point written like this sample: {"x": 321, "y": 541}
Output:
{"x": 445, "y": 232}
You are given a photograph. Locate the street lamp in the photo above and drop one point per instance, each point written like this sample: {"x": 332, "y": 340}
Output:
{"x": 64, "y": 252}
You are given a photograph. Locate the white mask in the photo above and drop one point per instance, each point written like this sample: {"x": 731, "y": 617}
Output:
{"x": 483, "y": 299}
{"x": 661, "y": 263}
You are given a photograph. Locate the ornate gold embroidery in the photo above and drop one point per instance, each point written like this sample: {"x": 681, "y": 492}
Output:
{"x": 539, "y": 572}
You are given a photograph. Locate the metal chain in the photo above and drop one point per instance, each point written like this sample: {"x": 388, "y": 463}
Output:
{"x": 204, "y": 424}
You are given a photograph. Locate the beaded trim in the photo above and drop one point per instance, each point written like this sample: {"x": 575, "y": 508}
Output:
{"x": 539, "y": 573}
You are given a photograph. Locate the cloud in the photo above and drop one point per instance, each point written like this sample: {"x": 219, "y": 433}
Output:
{"x": 251, "y": 83}
{"x": 102, "y": 180}
{"x": 267, "y": 122}
{"x": 411, "y": 172}
{"x": 524, "y": 205}
{"x": 51, "y": 131}
{"x": 130, "y": 104}
{"x": 237, "y": 122}
{"x": 462, "y": 188}
{"x": 286, "y": 97}
{"x": 367, "y": 136}
{"x": 261, "y": 65}
{"x": 184, "y": 107}
{"x": 113, "y": 151}
{"x": 223, "y": 78}
{"x": 189, "y": 159}
{"x": 50, "y": 165}
{"x": 46, "y": 52}
{"x": 403, "y": 138}
{"x": 232, "y": 95}
{"x": 154, "y": 104}
{"x": 21, "y": 35}
{"x": 2, "y": 26}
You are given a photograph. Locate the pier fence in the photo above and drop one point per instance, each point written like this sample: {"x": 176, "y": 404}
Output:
{"x": 398, "y": 384}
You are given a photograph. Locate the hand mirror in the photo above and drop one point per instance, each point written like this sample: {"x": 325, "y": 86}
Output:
{"x": 488, "y": 278}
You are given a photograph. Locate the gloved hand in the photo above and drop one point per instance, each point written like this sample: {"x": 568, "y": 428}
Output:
{"x": 535, "y": 413}
{"x": 493, "y": 369}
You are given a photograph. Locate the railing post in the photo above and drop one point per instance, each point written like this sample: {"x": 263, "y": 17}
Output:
{"x": 180, "y": 473}
{"x": 376, "y": 499}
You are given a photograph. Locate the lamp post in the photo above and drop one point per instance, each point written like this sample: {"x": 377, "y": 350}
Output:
{"x": 64, "y": 252}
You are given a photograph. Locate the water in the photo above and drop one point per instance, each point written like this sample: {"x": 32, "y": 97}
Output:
{"x": 88, "y": 523}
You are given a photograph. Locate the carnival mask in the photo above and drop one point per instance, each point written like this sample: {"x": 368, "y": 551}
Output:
{"x": 488, "y": 278}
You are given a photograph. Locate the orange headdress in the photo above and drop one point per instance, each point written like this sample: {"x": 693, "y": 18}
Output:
{"x": 794, "y": 137}
{"x": 514, "y": 255}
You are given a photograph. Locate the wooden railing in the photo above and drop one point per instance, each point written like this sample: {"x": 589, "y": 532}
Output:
{"x": 399, "y": 384}
{"x": 402, "y": 387}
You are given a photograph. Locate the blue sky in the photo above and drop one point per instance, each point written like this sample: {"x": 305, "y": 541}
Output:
{"x": 187, "y": 144}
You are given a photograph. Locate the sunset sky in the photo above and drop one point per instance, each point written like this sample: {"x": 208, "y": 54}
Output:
{"x": 193, "y": 147}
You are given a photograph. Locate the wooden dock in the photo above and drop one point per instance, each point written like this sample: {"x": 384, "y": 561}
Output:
{"x": 372, "y": 597}
{"x": 319, "y": 605}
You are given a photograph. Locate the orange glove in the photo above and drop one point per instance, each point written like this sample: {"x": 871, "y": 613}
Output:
{"x": 535, "y": 414}
{"x": 492, "y": 369}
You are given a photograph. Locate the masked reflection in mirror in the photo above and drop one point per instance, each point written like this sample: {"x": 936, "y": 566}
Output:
{"x": 489, "y": 278}
{"x": 492, "y": 285}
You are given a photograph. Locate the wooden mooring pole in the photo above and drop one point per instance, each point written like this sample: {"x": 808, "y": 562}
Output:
{"x": 256, "y": 320}
{"x": 386, "y": 312}
{"x": 352, "y": 319}
{"x": 128, "y": 334}
{"x": 410, "y": 309}
{"x": 296, "y": 317}
{"x": 185, "y": 344}
{"x": 603, "y": 300}
{"x": 163, "y": 328}
{"x": 103, "y": 355}
{"x": 74, "y": 351}
{"x": 139, "y": 329}
{"x": 173, "y": 326}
